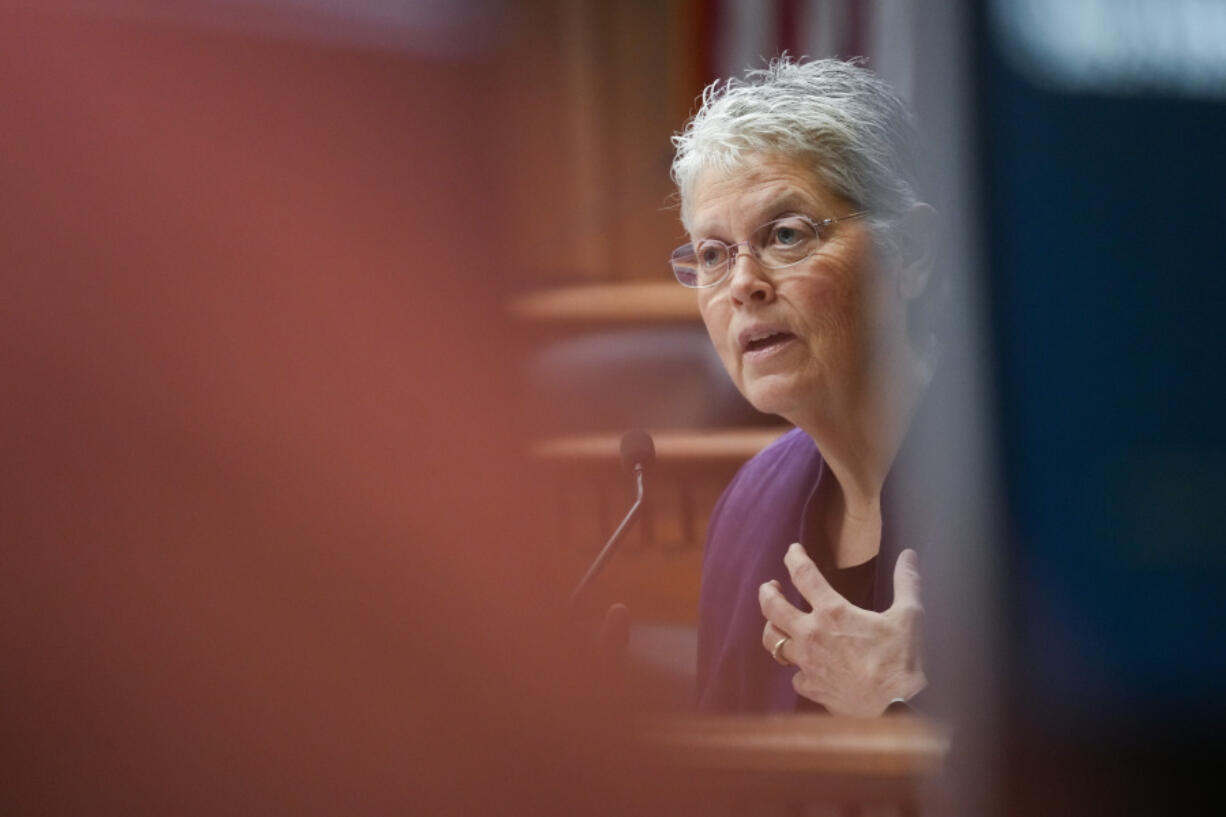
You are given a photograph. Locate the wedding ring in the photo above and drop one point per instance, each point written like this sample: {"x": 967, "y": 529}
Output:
{"x": 777, "y": 651}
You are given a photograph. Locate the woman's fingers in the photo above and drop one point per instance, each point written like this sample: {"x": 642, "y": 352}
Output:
{"x": 776, "y": 642}
{"x": 807, "y": 578}
{"x": 907, "y": 580}
{"x": 771, "y": 635}
{"x": 777, "y": 609}
{"x": 852, "y": 661}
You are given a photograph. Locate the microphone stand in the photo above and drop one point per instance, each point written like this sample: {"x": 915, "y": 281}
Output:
{"x": 617, "y": 534}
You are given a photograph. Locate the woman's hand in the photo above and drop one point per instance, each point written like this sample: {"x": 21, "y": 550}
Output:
{"x": 851, "y": 661}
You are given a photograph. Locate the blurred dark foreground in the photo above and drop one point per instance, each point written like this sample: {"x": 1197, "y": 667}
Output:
{"x": 264, "y": 537}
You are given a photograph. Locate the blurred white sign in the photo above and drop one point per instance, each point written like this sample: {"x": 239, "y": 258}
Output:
{"x": 1170, "y": 47}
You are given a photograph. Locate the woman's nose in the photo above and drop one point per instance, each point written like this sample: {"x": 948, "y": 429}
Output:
{"x": 748, "y": 279}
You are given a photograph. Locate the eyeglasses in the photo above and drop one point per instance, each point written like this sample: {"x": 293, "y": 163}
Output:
{"x": 776, "y": 245}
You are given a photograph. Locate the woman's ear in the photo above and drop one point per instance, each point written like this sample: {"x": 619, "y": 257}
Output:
{"x": 920, "y": 233}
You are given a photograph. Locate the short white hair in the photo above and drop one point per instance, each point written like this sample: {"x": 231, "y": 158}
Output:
{"x": 839, "y": 117}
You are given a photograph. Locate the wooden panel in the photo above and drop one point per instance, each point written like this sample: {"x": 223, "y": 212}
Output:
{"x": 591, "y": 95}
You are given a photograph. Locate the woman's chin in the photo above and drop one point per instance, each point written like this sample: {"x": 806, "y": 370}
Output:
{"x": 775, "y": 395}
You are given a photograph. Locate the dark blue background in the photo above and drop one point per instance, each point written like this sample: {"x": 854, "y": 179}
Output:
{"x": 1105, "y": 222}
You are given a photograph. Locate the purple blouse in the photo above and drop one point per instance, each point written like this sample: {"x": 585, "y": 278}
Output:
{"x": 760, "y": 514}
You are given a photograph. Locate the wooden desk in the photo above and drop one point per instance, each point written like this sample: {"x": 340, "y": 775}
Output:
{"x": 801, "y": 760}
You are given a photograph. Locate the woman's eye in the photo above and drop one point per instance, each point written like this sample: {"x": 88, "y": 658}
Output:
{"x": 710, "y": 256}
{"x": 790, "y": 232}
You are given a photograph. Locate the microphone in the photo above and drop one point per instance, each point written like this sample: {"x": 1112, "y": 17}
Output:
{"x": 638, "y": 453}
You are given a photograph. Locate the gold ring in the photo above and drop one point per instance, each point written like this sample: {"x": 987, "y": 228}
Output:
{"x": 776, "y": 652}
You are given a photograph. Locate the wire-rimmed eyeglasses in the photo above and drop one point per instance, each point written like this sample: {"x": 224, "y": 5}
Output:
{"x": 777, "y": 244}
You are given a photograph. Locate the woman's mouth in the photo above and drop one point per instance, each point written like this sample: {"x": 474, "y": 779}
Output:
{"x": 763, "y": 343}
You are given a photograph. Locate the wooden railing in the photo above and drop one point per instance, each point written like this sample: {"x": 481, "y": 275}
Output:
{"x": 657, "y": 569}
{"x": 630, "y": 303}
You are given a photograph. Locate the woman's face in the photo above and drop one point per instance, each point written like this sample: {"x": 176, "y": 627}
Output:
{"x": 800, "y": 339}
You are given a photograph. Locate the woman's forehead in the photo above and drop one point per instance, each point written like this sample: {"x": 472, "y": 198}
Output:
{"x": 755, "y": 190}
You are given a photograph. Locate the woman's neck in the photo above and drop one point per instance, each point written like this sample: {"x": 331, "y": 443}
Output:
{"x": 859, "y": 441}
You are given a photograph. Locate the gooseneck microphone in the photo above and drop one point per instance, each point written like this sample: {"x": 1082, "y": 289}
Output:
{"x": 638, "y": 453}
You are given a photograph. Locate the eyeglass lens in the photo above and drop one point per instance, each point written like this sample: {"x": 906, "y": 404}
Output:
{"x": 776, "y": 244}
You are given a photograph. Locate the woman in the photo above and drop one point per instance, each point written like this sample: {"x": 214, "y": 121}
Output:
{"x": 809, "y": 251}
